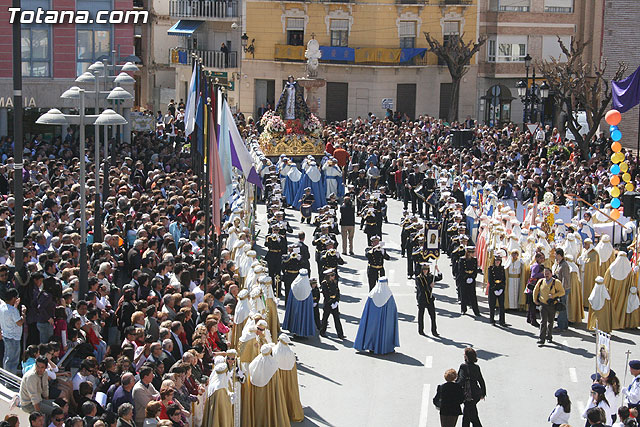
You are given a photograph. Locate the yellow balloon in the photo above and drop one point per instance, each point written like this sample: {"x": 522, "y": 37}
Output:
{"x": 628, "y": 187}
{"x": 615, "y": 191}
{"x": 624, "y": 166}
{"x": 626, "y": 177}
{"x": 619, "y": 157}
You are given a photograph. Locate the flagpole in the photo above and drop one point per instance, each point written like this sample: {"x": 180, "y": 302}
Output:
{"x": 597, "y": 340}
{"x": 207, "y": 204}
{"x": 626, "y": 369}
{"x": 638, "y": 146}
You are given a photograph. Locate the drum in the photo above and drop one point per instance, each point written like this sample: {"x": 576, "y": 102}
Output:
{"x": 305, "y": 210}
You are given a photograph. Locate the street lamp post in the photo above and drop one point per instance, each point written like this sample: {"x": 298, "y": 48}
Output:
{"x": 95, "y": 72}
{"x": 89, "y": 77}
{"x": 532, "y": 96}
{"x": 55, "y": 117}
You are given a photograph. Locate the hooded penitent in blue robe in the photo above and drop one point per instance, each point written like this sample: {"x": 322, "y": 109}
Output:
{"x": 312, "y": 178}
{"x": 292, "y": 185}
{"x": 378, "y": 329}
{"x": 333, "y": 181}
{"x": 298, "y": 315}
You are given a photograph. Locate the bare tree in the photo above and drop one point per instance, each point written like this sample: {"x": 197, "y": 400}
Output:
{"x": 456, "y": 55}
{"x": 579, "y": 86}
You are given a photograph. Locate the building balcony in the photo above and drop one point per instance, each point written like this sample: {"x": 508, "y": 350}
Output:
{"x": 555, "y": 9}
{"x": 210, "y": 58}
{"x": 356, "y": 56}
{"x": 419, "y": 2}
{"x": 203, "y": 9}
{"x": 452, "y": 2}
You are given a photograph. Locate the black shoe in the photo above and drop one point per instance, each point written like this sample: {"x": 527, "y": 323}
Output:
{"x": 550, "y": 339}
{"x": 341, "y": 337}
{"x": 323, "y": 334}
{"x": 541, "y": 342}
{"x": 463, "y": 312}
{"x": 503, "y": 324}
{"x": 435, "y": 333}
{"x": 422, "y": 333}
{"x": 493, "y": 322}
{"x": 351, "y": 253}
{"x": 536, "y": 324}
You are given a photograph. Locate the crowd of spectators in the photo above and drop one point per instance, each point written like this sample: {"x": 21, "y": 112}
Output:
{"x": 137, "y": 348}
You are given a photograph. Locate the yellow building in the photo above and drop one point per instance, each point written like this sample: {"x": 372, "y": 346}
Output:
{"x": 373, "y": 54}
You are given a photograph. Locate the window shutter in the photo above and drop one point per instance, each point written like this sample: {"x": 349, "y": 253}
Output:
{"x": 339, "y": 25}
{"x": 295, "y": 24}
{"x": 407, "y": 28}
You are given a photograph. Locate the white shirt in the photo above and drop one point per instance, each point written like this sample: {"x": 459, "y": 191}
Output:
{"x": 78, "y": 378}
{"x": 633, "y": 391}
{"x": 603, "y": 405}
{"x": 559, "y": 416}
{"x": 9, "y": 315}
{"x": 199, "y": 295}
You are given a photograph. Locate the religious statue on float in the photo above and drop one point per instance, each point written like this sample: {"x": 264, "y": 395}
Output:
{"x": 292, "y": 105}
{"x": 548, "y": 210}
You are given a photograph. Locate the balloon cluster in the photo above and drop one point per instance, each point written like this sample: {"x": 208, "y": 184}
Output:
{"x": 619, "y": 167}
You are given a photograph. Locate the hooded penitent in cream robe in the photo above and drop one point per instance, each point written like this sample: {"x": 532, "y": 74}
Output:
{"x": 255, "y": 298}
{"x": 606, "y": 253}
{"x": 575, "y": 309}
{"x": 243, "y": 310}
{"x": 252, "y": 339}
{"x": 618, "y": 280}
{"x": 600, "y": 307}
{"x": 514, "y": 271}
{"x": 633, "y": 304}
{"x": 589, "y": 263}
{"x": 218, "y": 411}
{"x": 244, "y": 267}
{"x": 288, "y": 373}
{"x": 237, "y": 252}
{"x": 255, "y": 269}
{"x": 271, "y": 308}
{"x": 267, "y": 396}
{"x": 249, "y": 349}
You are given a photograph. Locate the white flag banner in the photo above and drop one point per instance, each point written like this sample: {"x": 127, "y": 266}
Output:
{"x": 603, "y": 353}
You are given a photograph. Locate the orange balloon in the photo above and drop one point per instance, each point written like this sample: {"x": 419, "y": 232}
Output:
{"x": 613, "y": 117}
{"x": 615, "y": 180}
{"x": 616, "y": 146}
{"x": 615, "y": 214}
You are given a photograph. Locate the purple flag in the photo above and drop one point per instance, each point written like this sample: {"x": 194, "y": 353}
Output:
{"x": 626, "y": 92}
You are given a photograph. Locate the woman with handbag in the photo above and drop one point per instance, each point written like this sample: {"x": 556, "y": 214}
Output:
{"x": 448, "y": 399}
{"x": 470, "y": 378}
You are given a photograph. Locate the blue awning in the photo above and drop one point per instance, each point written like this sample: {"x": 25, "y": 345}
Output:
{"x": 184, "y": 27}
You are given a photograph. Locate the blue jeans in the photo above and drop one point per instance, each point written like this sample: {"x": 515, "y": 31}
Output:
{"x": 46, "y": 331}
{"x": 563, "y": 321}
{"x": 11, "y": 355}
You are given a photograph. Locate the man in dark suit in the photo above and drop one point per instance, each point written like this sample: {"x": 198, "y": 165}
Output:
{"x": 178, "y": 346}
{"x": 304, "y": 252}
{"x": 167, "y": 358}
{"x": 414, "y": 181}
{"x": 134, "y": 257}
